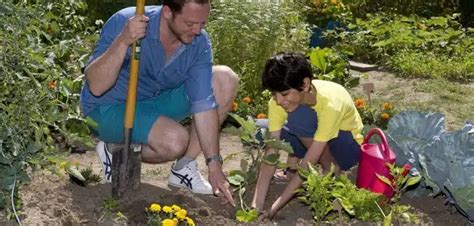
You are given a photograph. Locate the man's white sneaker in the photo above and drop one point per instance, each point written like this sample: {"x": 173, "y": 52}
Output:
{"x": 189, "y": 177}
{"x": 106, "y": 160}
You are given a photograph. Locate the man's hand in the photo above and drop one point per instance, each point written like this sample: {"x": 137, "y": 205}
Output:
{"x": 134, "y": 29}
{"x": 219, "y": 183}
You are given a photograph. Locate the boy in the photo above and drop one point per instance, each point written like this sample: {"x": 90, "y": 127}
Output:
{"x": 321, "y": 123}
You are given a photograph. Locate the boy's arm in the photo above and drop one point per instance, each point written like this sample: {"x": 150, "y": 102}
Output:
{"x": 264, "y": 177}
{"x": 312, "y": 155}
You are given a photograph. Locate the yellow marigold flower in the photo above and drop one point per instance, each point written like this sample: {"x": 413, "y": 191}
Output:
{"x": 176, "y": 208}
{"x": 359, "y": 103}
{"x": 385, "y": 116}
{"x": 167, "y": 209}
{"x": 387, "y": 106}
{"x": 261, "y": 115}
{"x": 181, "y": 214}
{"x": 155, "y": 208}
{"x": 234, "y": 106}
{"x": 168, "y": 222}
{"x": 247, "y": 100}
{"x": 190, "y": 221}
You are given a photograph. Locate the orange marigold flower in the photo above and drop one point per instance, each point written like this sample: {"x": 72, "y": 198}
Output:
{"x": 385, "y": 116}
{"x": 234, "y": 106}
{"x": 387, "y": 106}
{"x": 247, "y": 100}
{"x": 50, "y": 30}
{"x": 261, "y": 115}
{"x": 52, "y": 84}
{"x": 359, "y": 103}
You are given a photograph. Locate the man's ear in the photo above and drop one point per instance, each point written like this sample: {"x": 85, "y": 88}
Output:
{"x": 306, "y": 84}
{"x": 167, "y": 12}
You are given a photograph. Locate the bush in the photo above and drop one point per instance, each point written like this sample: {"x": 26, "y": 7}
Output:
{"x": 245, "y": 34}
{"x": 405, "y": 7}
{"x": 43, "y": 44}
{"x": 398, "y": 42}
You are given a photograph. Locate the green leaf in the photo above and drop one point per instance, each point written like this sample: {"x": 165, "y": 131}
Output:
{"x": 384, "y": 179}
{"x": 317, "y": 58}
{"x": 246, "y": 216}
{"x": 387, "y": 221}
{"x": 236, "y": 179}
{"x": 280, "y": 145}
{"x": 271, "y": 159}
{"x": 413, "y": 180}
{"x": 249, "y": 125}
{"x": 347, "y": 205}
{"x": 74, "y": 172}
{"x": 91, "y": 123}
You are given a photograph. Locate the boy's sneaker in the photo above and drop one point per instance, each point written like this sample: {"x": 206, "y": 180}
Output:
{"x": 106, "y": 158}
{"x": 189, "y": 177}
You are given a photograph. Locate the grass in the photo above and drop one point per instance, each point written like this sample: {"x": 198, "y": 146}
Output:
{"x": 452, "y": 99}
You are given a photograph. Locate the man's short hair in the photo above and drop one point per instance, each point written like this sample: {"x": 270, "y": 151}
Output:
{"x": 286, "y": 70}
{"x": 177, "y": 5}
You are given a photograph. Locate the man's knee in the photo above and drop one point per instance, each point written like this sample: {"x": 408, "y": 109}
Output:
{"x": 225, "y": 78}
{"x": 168, "y": 142}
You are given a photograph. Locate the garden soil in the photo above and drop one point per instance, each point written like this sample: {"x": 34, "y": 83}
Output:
{"x": 52, "y": 199}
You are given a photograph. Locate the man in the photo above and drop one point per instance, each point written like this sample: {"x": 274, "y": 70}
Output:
{"x": 176, "y": 79}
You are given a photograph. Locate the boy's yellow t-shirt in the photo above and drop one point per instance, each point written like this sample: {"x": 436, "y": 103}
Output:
{"x": 334, "y": 107}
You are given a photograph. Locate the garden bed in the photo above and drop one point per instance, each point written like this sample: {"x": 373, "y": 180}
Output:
{"x": 53, "y": 199}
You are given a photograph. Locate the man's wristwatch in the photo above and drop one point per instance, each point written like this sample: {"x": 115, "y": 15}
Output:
{"x": 216, "y": 157}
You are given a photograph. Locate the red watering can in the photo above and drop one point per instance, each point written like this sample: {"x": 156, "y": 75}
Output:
{"x": 373, "y": 159}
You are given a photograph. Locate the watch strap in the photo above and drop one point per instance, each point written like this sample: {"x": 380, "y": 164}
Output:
{"x": 216, "y": 157}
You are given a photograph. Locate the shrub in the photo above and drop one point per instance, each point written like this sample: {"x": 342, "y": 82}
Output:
{"x": 406, "y": 7}
{"x": 43, "y": 44}
{"x": 245, "y": 34}
{"x": 375, "y": 114}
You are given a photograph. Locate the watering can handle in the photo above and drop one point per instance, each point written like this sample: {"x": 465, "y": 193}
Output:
{"x": 381, "y": 135}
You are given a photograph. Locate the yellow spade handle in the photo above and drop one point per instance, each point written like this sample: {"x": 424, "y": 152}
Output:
{"x": 133, "y": 77}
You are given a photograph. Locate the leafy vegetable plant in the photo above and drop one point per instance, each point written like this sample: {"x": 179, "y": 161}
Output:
{"x": 255, "y": 140}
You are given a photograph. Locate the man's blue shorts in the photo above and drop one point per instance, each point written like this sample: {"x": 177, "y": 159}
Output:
{"x": 303, "y": 123}
{"x": 110, "y": 117}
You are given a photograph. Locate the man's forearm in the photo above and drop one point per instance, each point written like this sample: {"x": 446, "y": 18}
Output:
{"x": 207, "y": 128}
{"x": 102, "y": 73}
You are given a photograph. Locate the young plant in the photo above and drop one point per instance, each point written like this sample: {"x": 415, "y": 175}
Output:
{"x": 255, "y": 140}
{"x": 110, "y": 210}
{"x": 373, "y": 114}
{"x": 330, "y": 195}
{"x": 167, "y": 215}
{"x": 401, "y": 180}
